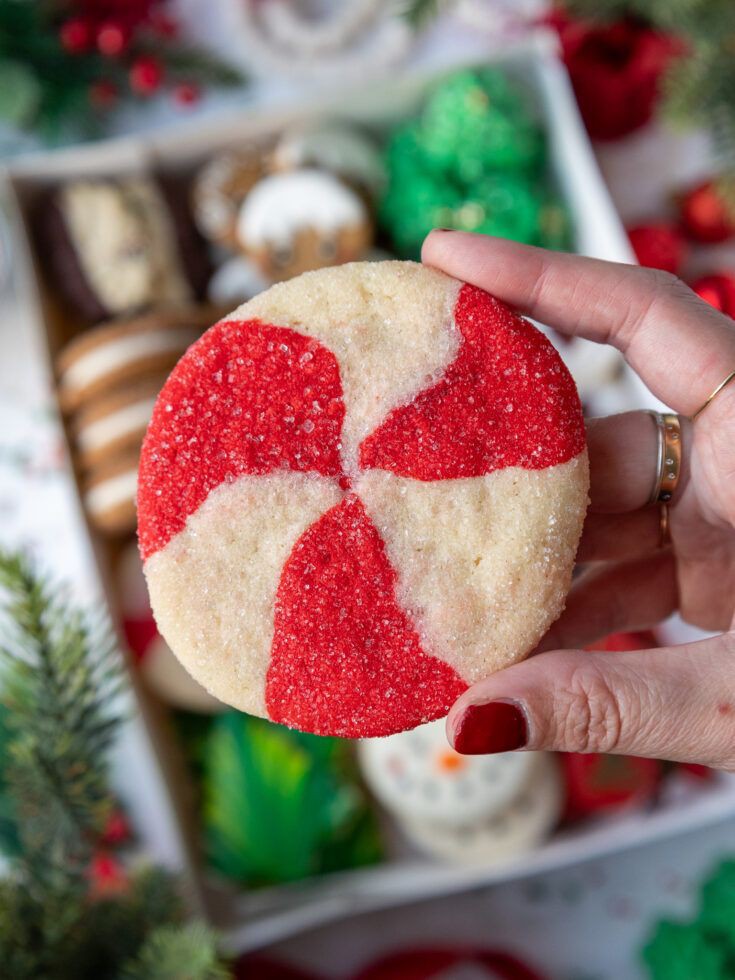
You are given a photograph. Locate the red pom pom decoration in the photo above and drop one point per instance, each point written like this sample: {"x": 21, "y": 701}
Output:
{"x": 615, "y": 70}
{"x": 704, "y": 215}
{"x": 146, "y": 75}
{"x": 718, "y": 290}
{"x": 658, "y": 246}
{"x": 76, "y": 35}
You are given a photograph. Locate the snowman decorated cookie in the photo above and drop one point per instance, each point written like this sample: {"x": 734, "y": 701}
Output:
{"x": 463, "y": 809}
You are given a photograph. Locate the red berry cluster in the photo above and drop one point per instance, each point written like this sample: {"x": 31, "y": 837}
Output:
{"x": 113, "y": 30}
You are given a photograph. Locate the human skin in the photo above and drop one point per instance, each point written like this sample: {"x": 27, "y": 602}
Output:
{"x": 675, "y": 702}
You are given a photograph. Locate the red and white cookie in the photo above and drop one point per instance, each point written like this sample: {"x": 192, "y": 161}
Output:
{"x": 359, "y": 493}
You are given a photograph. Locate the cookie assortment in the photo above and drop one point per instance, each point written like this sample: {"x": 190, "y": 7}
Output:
{"x": 135, "y": 262}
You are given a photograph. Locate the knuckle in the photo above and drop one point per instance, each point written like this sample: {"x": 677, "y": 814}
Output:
{"x": 593, "y": 716}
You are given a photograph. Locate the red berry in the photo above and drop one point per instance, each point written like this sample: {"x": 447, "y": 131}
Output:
{"x": 146, "y": 75}
{"x": 658, "y": 246}
{"x": 704, "y": 215}
{"x": 186, "y": 93}
{"x": 112, "y": 38}
{"x": 103, "y": 94}
{"x": 116, "y": 829}
{"x": 76, "y": 35}
{"x": 718, "y": 290}
{"x": 107, "y": 876}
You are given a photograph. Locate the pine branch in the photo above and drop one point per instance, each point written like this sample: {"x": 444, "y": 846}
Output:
{"x": 177, "y": 953}
{"x": 61, "y": 675}
{"x": 419, "y": 13}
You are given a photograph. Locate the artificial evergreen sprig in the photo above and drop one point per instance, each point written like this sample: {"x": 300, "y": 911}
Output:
{"x": 59, "y": 687}
{"x": 59, "y": 683}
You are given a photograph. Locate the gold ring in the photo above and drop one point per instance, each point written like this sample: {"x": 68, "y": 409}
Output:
{"x": 664, "y": 531}
{"x": 718, "y": 389}
{"x": 668, "y": 457}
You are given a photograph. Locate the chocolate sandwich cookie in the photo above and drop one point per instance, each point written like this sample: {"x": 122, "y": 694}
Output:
{"x": 113, "y": 354}
{"x": 118, "y": 246}
{"x": 109, "y": 494}
{"x": 115, "y": 422}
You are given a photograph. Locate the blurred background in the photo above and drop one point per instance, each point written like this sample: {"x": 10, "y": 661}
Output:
{"x": 162, "y": 162}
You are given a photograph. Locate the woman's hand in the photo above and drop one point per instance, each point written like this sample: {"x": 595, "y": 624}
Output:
{"x": 672, "y": 703}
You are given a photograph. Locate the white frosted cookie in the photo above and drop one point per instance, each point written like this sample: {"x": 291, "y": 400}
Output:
{"x": 527, "y": 820}
{"x": 302, "y": 220}
{"x": 359, "y": 493}
{"x": 419, "y": 777}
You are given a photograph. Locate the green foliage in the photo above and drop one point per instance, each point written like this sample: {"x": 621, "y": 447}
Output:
{"x": 47, "y": 88}
{"x": 60, "y": 680}
{"x": 717, "y": 915}
{"x": 281, "y": 805}
{"x": 679, "y": 951}
{"x": 59, "y": 683}
{"x": 177, "y": 953}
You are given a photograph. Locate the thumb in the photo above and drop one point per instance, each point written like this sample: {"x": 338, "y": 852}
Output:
{"x": 674, "y": 703}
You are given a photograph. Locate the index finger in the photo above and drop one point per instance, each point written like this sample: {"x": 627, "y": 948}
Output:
{"x": 678, "y": 344}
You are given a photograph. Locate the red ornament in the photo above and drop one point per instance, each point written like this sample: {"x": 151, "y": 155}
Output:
{"x": 112, "y": 38}
{"x": 704, "y": 215}
{"x": 658, "y": 246}
{"x": 103, "y": 94}
{"x": 615, "y": 70}
{"x": 146, "y": 75}
{"x": 598, "y": 784}
{"x": 76, "y": 35}
{"x": 718, "y": 290}
{"x": 186, "y": 94}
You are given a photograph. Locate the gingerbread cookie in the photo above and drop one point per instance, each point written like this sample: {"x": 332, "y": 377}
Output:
{"x": 302, "y": 220}
{"x": 219, "y": 189}
{"x": 118, "y": 246}
{"x": 359, "y": 493}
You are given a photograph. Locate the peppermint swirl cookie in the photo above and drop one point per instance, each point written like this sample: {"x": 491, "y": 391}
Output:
{"x": 359, "y": 493}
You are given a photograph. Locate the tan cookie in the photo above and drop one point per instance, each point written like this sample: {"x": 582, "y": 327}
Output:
{"x": 115, "y": 422}
{"x": 109, "y": 494}
{"x": 219, "y": 189}
{"x": 360, "y": 493}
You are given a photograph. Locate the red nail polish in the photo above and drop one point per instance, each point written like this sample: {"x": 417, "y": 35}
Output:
{"x": 496, "y": 726}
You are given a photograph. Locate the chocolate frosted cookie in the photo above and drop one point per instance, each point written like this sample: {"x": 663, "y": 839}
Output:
{"x": 118, "y": 246}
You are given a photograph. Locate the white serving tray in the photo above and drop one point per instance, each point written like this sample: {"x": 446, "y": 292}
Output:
{"x": 254, "y": 919}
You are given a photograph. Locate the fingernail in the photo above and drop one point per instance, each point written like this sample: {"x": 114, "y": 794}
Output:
{"x": 496, "y": 726}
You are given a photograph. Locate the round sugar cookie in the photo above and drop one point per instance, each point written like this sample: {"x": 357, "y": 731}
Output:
{"x": 419, "y": 777}
{"x": 359, "y": 493}
{"x": 527, "y": 820}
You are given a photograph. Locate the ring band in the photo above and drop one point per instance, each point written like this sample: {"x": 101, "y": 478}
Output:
{"x": 664, "y": 530}
{"x": 668, "y": 457}
{"x": 715, "y": 393}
